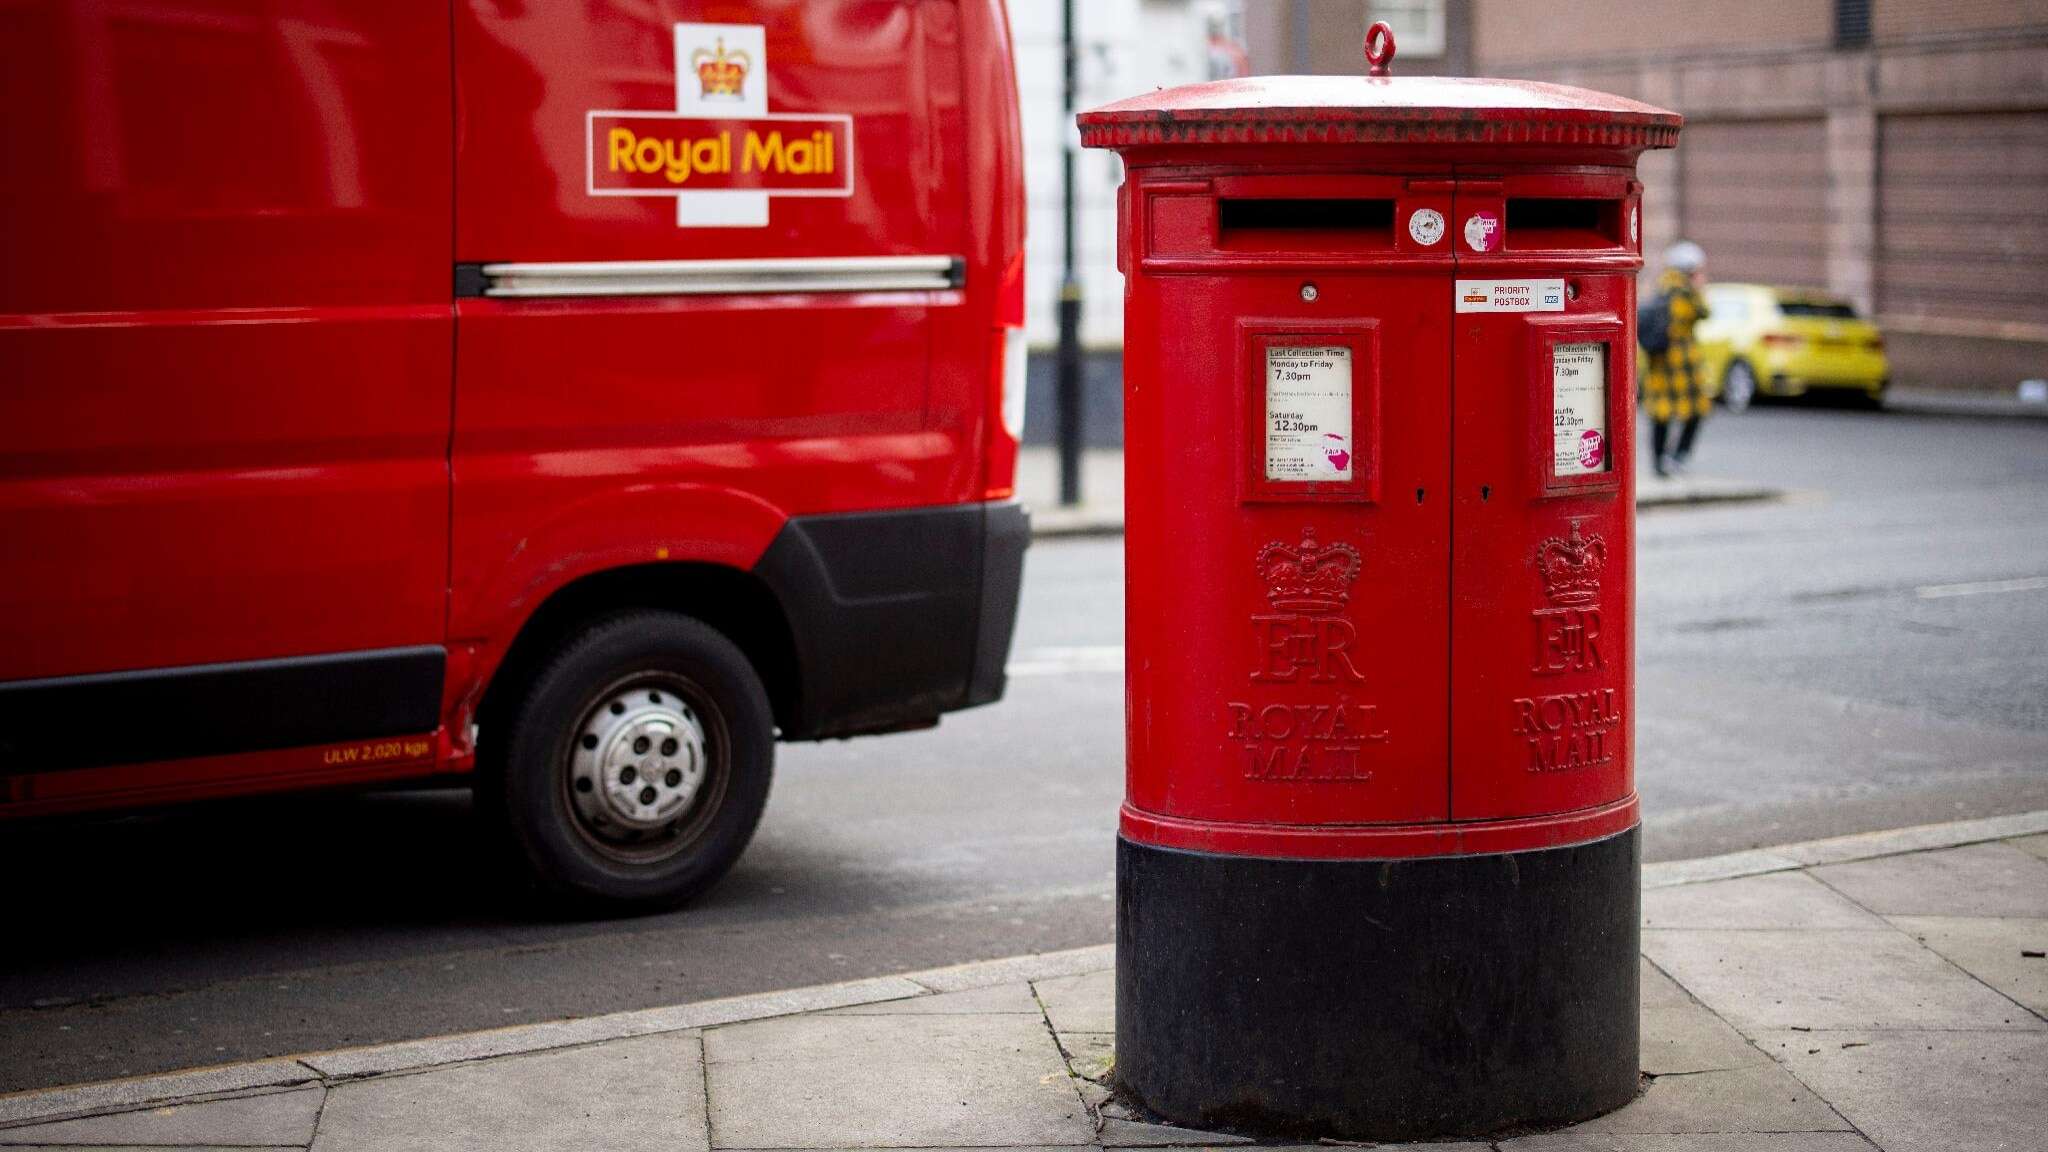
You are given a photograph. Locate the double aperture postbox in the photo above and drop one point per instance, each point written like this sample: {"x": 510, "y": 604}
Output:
{"x": 1377, "y": 864}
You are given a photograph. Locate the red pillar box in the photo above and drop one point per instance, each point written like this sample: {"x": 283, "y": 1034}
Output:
{"x": 1378, "y": 865}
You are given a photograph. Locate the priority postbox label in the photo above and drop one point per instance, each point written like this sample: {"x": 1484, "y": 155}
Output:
{"x": 1510, "y": 295}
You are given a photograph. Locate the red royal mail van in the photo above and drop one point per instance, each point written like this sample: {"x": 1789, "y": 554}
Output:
{"x": 575, "y": 397}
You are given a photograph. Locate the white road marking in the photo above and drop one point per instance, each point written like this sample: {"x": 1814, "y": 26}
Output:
{"x": 1942, "y": 591}
{"x": 1068, "y": 661}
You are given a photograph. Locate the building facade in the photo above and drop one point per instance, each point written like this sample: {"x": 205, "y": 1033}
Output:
{"x": 1893, "y": 151}
{"x": 1125, "y": 47}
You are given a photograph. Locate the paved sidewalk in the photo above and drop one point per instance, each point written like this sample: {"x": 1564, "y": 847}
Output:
{"x": 1877, "y": 991}
{"x": 1101, "y": 511}
{"x": 1950, "y": 402}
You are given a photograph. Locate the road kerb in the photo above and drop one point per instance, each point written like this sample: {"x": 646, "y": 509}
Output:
{"x": 1842, "y": 849}
{"x": 134, "y": 1092}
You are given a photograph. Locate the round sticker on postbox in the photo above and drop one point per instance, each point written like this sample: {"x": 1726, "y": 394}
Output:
{"x": 1592, "y": 449}
{"x": 1426, "y": 226}
{"x": 1482, "y": 231}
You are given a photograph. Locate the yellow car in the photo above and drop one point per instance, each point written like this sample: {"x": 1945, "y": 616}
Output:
{"x": 1758, "y": 340}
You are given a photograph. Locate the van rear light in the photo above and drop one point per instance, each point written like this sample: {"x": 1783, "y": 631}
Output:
{"x": 1005, "y": 422}
{"x": 1015, "y": 360}
{"x": 1874, "y": 342}
{"x": 1782, "y": 339}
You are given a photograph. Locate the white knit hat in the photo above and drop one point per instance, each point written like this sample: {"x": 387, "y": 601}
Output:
{"x": 1685, "y": 256}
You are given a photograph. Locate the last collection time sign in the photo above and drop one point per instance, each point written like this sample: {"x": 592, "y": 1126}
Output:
{"x": 1308, "y": 413}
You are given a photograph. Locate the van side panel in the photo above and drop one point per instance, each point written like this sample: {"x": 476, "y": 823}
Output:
{"x": 225, "y": 335}
{"x": 789, "y": 398}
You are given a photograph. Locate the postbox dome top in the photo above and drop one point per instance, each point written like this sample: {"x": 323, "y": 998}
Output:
{"x": 1380, "y": 109}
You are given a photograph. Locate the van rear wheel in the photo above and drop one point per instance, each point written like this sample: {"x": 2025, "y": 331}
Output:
{"x": 635, "y": 769}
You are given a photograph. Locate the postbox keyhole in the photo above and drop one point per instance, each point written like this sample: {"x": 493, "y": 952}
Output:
{"x": 1418, "y": 495}
{"x": 1486, "y": 491}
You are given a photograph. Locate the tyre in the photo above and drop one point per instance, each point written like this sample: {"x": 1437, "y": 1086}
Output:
{"x": 1738, "y": 387}
{"x": 635, "y": 766}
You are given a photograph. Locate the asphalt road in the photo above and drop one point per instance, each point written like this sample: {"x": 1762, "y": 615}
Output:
{"x": 1870, "y": 652}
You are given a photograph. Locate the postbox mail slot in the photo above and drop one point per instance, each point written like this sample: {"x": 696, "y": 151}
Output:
{"x": 1294, "y": 225}
{"x": 1551, "y": 223}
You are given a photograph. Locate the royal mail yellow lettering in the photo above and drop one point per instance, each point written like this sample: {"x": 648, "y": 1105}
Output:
{"x": 763, "y": 155}
{"x": 712, "y": 154}
{"x": 674, "y": 159}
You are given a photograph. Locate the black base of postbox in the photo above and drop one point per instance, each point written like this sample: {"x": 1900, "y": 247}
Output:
{"x": 1378, "y": 999}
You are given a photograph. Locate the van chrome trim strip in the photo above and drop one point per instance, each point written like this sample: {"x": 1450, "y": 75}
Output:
{"x": 725, "y": 277}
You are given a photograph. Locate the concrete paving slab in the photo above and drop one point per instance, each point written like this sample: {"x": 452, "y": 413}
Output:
{"x": 1992, "y": 950}
{"x": 1461, "y": 1146}
{"x": 1093, "y": 1095}
{"x": 1137, "y": 1134}
{"x": 1929, "y": 1091}
{"x": 1042, "y": 966}
{"x": 1090, "y": 1054}
{"x": 1689, "y": 1142}
{"x": 155, "y": 1147}
{"x": 1975, "y": 880}
{"x": 1763, "y": 1098}
{"x": 270, "y": 1118}
{"x": 2032, "y": 845}
{"x": 1762, "y": 980}
{"x": 1084, "y": 1003}
{"x": 1777, "y": 900}
{"x": 641, "y": 1093}
{"x": 1002, "y": 998}
{"x": 891, "y": 1081}
{"x": 1679, "y": 1039}
{"x": 1458, "y": 1147}
{"x": 116, "y": 1094}
{"x": 1659, "y": 990}
{"x": 556, "y": 1034}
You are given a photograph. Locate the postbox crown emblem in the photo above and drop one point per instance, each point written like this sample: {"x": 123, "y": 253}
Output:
{"x": 721, "y": 73}
{"x": 1311, "y": 578}
{"x": 1571, "y": 567}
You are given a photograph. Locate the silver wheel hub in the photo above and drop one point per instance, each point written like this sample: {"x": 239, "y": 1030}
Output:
{"x": 638, "y": 762}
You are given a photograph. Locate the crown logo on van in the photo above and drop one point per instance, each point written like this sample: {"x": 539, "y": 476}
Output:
{"x": 721, "y": 73}
{"x": 1571, "y": 567}
{"x": 1310, "y": 578}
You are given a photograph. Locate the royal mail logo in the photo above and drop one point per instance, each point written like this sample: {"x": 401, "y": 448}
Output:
{"x": 1311, "y": 578}
{"x": 721, "y": 153}
{"x": 1571, "y": 567}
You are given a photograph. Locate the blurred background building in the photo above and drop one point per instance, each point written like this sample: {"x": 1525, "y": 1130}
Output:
{"x": 1125, "y": 47}
{"x": 1892, "y": 151}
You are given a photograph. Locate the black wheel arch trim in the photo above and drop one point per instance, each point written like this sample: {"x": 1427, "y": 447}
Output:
{"x": 897, "y": 616}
